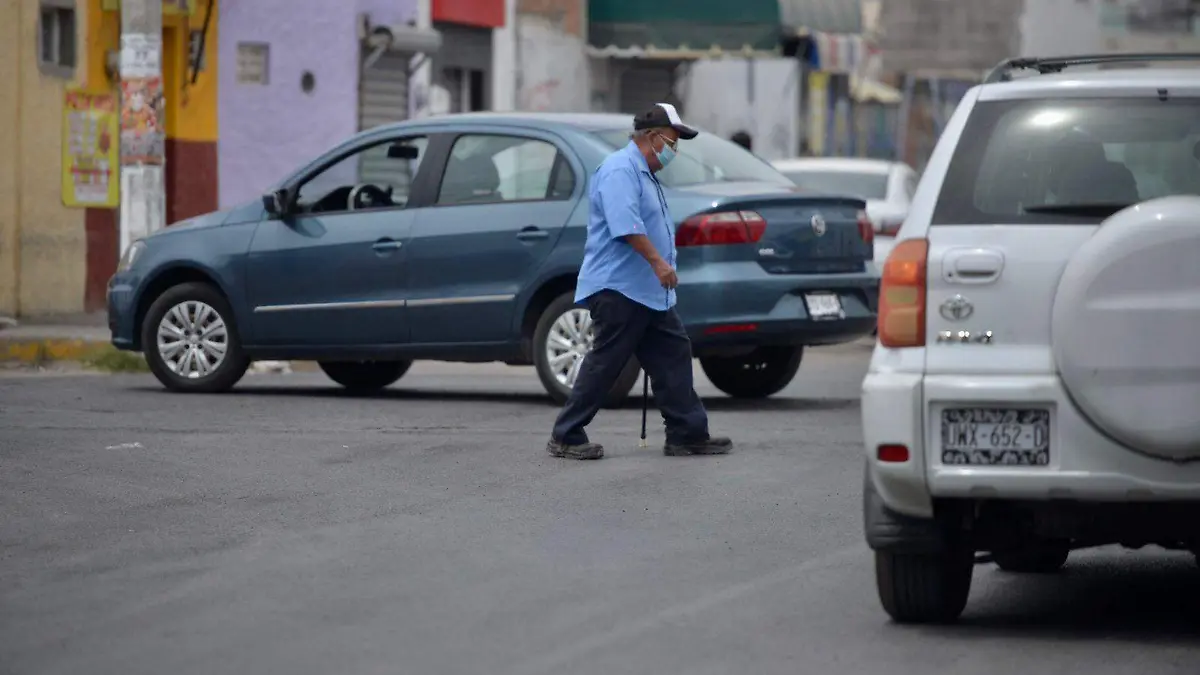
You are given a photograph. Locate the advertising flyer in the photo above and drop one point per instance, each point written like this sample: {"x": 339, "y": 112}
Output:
{"x": 90, "y": 146}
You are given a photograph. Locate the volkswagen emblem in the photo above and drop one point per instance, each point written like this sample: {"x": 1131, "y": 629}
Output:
{"x": 818, "y": 225}
{"x": 956, "y": 308}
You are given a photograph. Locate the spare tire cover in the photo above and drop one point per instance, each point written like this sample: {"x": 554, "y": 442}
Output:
{"x": 1126, "y": 328}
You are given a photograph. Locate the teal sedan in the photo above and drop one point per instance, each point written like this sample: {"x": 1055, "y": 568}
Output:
{"x": 459, "y": 238}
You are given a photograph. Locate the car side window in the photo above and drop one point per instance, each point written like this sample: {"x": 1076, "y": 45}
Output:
{"x": 490, "y": 168}
{"x": 379, "y": 176}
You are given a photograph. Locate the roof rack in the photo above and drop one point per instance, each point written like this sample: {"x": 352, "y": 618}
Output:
{"x": 1055, "y": 64}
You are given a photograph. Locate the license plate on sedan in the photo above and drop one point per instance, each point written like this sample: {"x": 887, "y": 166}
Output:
{"x": 996, "y": 436}
{"x": 824, "y": 306}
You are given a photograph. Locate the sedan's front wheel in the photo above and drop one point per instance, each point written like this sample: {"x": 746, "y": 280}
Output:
{"x": 190, "y": 341}
{"x": 562, "y": 339}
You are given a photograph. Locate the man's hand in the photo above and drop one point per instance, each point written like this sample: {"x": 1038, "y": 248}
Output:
{"x": 666, "y": 275}
{"x": 662, "y": 270}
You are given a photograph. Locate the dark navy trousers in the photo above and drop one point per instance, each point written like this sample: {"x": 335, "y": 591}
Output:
{"x": 623, "y": 329}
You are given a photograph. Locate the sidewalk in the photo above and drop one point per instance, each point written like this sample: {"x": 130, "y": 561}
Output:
{"x": 60, "y": 339}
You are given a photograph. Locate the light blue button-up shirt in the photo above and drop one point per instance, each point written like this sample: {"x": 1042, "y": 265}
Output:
{"x": 626, "y": 199}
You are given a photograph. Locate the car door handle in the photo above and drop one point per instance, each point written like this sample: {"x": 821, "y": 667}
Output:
{"x": 531, "y": 233}
{"x": 386, "y": 245}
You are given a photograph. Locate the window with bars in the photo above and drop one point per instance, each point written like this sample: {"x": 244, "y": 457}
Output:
{"x": 56, "y": 38}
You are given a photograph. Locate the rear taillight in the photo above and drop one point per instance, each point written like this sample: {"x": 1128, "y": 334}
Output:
{"x": 719, "y": 229}
{"x": 890, "y": 228}
{"x": 902, "y": 295}
{"x": 865, "y": 229}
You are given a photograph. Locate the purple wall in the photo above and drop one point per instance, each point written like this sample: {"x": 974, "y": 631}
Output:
{"x": 268, "y": 131}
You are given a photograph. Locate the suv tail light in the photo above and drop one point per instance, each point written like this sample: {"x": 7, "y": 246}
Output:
{"x": 722, "y": 228}
{"x": 866, "y": 230}
{"x": 902, "y": 295}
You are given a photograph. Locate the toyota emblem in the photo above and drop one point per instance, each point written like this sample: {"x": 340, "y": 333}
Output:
{"x": 818, "y": 225}
{"x": 956, "y": 308}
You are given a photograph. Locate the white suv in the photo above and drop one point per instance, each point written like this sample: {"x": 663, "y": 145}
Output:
{"x": 1036, "y": 385}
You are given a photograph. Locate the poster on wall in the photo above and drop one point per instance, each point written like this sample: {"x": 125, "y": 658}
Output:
{"x": 142, "y": 137}
{"x": 818, "y": 112}
{"x": 89, "y": 150}
{"x": 141, "y": 55}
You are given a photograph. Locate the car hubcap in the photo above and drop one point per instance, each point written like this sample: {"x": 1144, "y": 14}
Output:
{"x": 192, "y": 339}
{"x": 570, "y": 339}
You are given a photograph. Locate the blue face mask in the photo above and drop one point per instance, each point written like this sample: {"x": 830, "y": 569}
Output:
{"x": 665, "y": 155}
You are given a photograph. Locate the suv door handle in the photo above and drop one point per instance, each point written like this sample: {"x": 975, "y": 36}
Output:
{"x": 531, "y": 233}
{"x": 386, "y": 245}
{"x": 972, "y": 265}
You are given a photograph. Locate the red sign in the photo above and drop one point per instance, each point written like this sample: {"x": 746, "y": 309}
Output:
{"x": 482, "y": 13}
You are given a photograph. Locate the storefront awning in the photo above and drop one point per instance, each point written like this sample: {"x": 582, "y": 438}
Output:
{"x": 682, "y": 29}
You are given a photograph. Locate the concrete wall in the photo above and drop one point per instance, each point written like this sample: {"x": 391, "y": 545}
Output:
{"x": 42, "y": 243}
{"x": 724, "y": 96}
{"x": 963, "y": 35}
{"x": 1058, "y": 27}
{"x": 268, "y": 131}
{"x": 975, "y": 35}
{"x": 554, "y": 74}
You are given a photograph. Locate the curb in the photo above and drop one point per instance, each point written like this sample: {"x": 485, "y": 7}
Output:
{"x": 40, "y": 350}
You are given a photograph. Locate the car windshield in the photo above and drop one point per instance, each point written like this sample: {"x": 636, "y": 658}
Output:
{"x": 865, "y": 185}
{"x": 1069, "y": 161}
{"x": 706, "y": 159}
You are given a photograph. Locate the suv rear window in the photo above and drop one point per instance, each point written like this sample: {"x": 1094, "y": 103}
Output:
{"x": 1069, "y": 160}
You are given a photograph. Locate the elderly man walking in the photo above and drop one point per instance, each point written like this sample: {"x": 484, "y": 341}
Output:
{"x": 628, "y": 284}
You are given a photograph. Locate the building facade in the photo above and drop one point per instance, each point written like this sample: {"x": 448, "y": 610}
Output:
{"x": 553, "y": 74}
{"x": 938, "y": 50}
{"x": 57, "y": 248}
{"x": 291, "y": 88}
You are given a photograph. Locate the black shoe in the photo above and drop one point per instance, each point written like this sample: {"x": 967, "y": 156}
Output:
{"x": 581, "y": 451}
{"x": 714, "y": 445}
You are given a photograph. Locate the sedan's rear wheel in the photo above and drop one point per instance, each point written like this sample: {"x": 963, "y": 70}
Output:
{"x": 365, "y": 376}
{"x": 562, "y": 339}
{"x": 190, "y": 341}
{"x": 759, "y": 374}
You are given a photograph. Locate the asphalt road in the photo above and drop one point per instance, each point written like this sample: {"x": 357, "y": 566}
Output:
{"x": 287, "y": 528}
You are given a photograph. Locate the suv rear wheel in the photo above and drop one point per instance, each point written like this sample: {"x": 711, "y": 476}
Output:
{"x": 759, "y": 374}
{"x": 562, "y": 338}
{"x": 190, "y": 341}
{"x": 365, "y": 376}
{"x": 924, "y": 587}
{"x": 1043, "y": 559}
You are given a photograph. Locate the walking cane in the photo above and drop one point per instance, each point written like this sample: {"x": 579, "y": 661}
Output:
{"x": 645, "y": 404}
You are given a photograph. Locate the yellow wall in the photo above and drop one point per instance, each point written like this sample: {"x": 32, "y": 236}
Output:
{"x": 43, "y": 246}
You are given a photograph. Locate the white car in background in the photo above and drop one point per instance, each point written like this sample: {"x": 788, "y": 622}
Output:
{"x": 1035, "y": 387}
{"x": 887, "y": 186}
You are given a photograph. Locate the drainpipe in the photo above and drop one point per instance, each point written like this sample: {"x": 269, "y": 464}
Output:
{"x": 143, "y": 189}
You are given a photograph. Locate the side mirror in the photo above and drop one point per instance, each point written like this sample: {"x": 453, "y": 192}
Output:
{"x": 276, "y": 203}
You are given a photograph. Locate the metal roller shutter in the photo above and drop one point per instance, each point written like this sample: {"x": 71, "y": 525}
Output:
{"x": 383, "y": 99}
{"x": 383, "y": 95}
{"x": 644, "y": 85}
